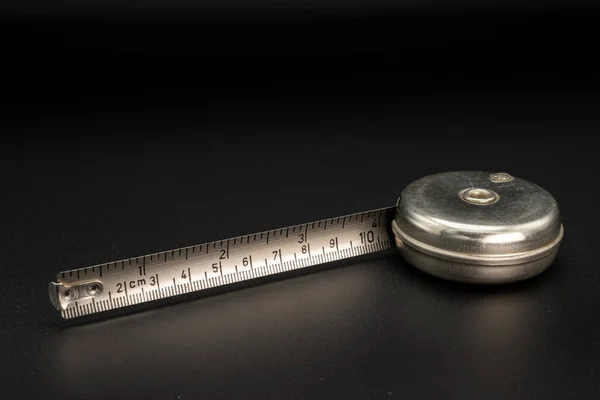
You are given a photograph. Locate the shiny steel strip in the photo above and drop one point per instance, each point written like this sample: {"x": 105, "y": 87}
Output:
{"x": 124, "y": 283}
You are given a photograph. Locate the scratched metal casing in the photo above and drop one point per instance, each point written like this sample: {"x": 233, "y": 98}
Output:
{"x": 477, "y": 227}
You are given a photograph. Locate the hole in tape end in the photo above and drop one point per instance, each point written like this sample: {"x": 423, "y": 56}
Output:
{"x": 61, "y": 295}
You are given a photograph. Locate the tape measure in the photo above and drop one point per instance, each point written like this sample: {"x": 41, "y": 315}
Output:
{"x": 467, "y": 226}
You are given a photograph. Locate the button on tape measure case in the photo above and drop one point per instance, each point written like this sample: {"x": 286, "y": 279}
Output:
{"x": 467, "y": 226}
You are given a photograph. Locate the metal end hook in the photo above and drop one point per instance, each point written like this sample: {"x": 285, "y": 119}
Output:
{"x": 53, "y": 292}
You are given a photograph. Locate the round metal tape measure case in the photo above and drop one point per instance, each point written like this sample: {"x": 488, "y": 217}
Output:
{"x": 477, "y": 227}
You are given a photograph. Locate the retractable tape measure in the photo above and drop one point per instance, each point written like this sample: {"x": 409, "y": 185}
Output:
{"x": 466, "y": 226}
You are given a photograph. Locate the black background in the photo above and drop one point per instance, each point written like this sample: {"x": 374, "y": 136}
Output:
{"x": 129, "y": 128}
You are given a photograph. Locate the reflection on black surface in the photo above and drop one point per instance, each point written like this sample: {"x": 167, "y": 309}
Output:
{"x": 314, "y": 323}
{"x": 216, "y": 326}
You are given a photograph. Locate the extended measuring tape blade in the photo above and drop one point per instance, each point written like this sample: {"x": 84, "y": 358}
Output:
{"x": 176, "y": 272}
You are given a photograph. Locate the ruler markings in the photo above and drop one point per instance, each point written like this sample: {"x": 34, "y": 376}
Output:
{"x": 290, "y": 249}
